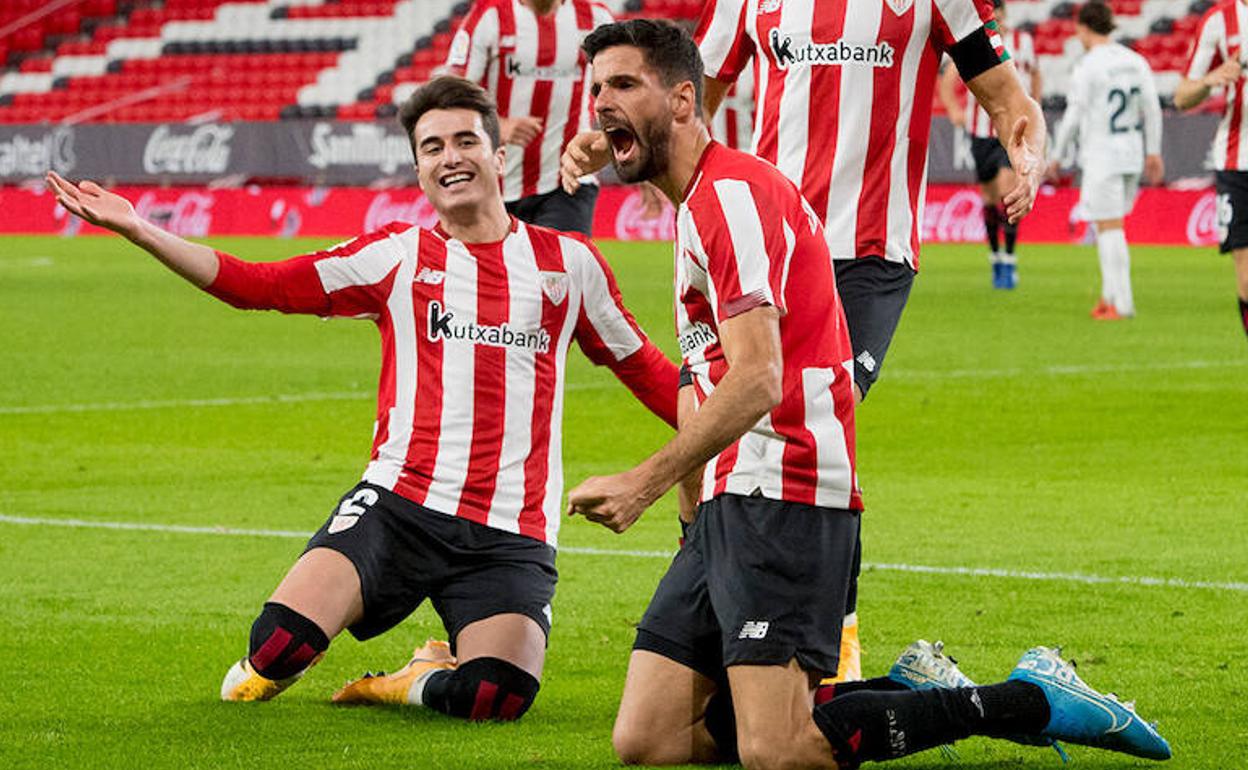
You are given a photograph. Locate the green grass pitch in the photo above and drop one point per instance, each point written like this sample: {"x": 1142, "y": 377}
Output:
{"x": 1009, "y": 432}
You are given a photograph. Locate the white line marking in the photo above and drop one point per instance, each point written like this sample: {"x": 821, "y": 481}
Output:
{"x": 900, "y": 374}
{"x": 187, "y": 403}
{"x": 1051, "y": 577}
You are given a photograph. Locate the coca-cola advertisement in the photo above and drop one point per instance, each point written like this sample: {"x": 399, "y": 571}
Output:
{"x": 952, "y": 214}
{"x": 175, "y": 150}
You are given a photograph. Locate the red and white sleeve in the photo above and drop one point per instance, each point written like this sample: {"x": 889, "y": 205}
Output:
{"x": 721, "y": 37}
{"x": 348, "y": 280}
{"x": 475, "y": 42}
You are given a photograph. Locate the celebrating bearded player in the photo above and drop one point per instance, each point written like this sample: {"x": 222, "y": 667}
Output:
{"x": 848, "y": 121}
{"x": 753, "y": 601}
{"x": 460, "y": 501}
{"x": 992, "y": 164}
{"x": 526, "y": 53}
{"x": 1112, "y": 111}
{"x": 1217, "y": 61}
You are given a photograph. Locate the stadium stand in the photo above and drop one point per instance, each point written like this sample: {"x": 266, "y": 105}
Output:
{"x": 178, "y": 60}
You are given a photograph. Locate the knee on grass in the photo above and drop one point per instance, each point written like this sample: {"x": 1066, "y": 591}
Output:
{"x": 284, "y": 643}
{"x": 482, "y": 688}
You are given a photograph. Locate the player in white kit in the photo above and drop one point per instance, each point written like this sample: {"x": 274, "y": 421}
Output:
{"x": 1112, "y": 111}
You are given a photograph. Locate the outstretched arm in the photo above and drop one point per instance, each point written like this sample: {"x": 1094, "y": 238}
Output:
{"x": 194, "y": 262}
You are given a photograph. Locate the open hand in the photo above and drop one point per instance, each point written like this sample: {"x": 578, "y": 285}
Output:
{"x": 94, "y": 204}
{"x": 1028, "y": 169}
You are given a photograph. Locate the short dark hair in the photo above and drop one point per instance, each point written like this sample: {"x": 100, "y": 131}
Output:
{"x": 667, "y": 48}
{"x": 448, "y": 92}
{"x": 1097, "y": 16}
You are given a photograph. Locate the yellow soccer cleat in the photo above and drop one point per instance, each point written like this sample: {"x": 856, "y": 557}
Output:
{"x": 399, "y": 687}
{"x": 850, "y": 667}
{"x": 242, "y": 683}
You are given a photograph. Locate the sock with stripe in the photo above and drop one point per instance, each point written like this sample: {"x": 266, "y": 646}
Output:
{"x": 874, "y": 725}
{"x": 482, "y": 688}
{"x": 284, "y": 643}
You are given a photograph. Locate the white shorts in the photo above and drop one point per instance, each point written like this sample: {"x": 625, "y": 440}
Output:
{"x": 1107, "y": 195}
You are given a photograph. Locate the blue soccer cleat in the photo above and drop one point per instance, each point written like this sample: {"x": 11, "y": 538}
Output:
{"x": 923, "y": 665}
{"x": 1079, "y": 714}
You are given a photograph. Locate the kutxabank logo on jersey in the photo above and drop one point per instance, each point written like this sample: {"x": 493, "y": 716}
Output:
{"x": 789, "y": 51}
{"x": 443, "y": 326}
{"x": 518, "y": 69}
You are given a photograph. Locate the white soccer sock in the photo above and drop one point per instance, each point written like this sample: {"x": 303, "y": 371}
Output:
{"x": 1120, "y": 266}
{"x": 1105, "y": 254}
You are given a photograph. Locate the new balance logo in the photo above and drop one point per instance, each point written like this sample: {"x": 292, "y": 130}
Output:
{"x": 754, "y": 629}
{"x": 442, "y": 326}
{"x": 867, "y": 360}
{"x": 789, "y": 53}
{"x": 431, "y": 277}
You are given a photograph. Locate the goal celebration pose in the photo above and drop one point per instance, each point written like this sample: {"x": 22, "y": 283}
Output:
{"x": 460, "y": 501}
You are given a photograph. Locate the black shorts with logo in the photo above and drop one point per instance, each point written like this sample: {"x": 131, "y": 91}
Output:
{"x": 558, "y": 210}
{"x": 873, "y": 292}
{"x": 990, "y": 157}
{"x": 1232, "y": 189}
{"x": 405, "y": 553}
{"x": 757, "y": 581}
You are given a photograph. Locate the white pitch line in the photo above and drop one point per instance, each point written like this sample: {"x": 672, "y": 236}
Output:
{"x": 900, "y": 374}
{"x": 1049, "y": 577}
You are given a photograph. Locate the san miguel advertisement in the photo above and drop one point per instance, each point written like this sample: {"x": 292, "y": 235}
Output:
{"x": 951, "y": 214}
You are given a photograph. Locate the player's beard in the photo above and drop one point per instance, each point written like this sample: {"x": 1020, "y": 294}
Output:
{"x": 653, "y": 150}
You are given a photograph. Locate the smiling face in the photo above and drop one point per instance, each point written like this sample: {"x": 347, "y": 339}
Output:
{"x": 635, "y": 112}
{"x": 455, "y": 162}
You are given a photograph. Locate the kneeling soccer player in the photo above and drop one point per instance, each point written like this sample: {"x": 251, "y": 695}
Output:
{"x": 460, "y": 501}
{"x": 748, "y": 617}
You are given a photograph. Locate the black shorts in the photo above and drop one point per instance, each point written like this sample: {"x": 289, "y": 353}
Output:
{"x": 1232, "y": 210}
{"x": 757, "y": 581}
{"x": 873, "y": 292}
{"x": 405, "y": 553}
{"x": 990, "y": 157}
{"x": 558, "y": 210}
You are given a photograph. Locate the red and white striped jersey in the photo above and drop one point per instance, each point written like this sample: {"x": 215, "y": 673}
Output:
{"x": 733, "y": 123}
{"x": 474, "y": 339}
{"x": 845, "y": 94}
{"x": 1220, "y": 39}
{"x": 1023, "y": 53}
{"x": 533, "y": 66}
{"x": 744, "y": 236}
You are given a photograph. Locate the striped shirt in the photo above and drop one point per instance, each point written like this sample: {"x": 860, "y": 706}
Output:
{"x": 1023, "y": 53}
{"x": 845, "y": 90}
{"x": 733, "y": 123}
{"x": 474, "y": 339}
{"x": 534, "y": 67}
{"x": 744, "y": 236}
{"x": 1220, "y": 39}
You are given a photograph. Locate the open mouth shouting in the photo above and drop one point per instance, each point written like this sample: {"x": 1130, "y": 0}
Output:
{"x": 623, "y": 143}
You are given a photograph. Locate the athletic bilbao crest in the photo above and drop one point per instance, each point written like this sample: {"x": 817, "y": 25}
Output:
{"x": 899, "y": 6}
{"x": 555, "y": 287}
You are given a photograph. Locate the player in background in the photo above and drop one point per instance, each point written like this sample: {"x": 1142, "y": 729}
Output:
{"x": 526, "y": 53}
{"x": 849, "y": 123}
{"x": 460, "y": 501}
{"x": 752, "y": 602}
{"x": 992, "y": 164}
{"x": 1113, "y": 112}
{"x": 1217, "y": 61}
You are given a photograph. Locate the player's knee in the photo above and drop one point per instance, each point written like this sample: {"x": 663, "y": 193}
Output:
{"x": 284, "y": 643}
{"x": 637, "y": 743}
{"x": 483, "y": 688}
{"x": 762, "y": 752}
